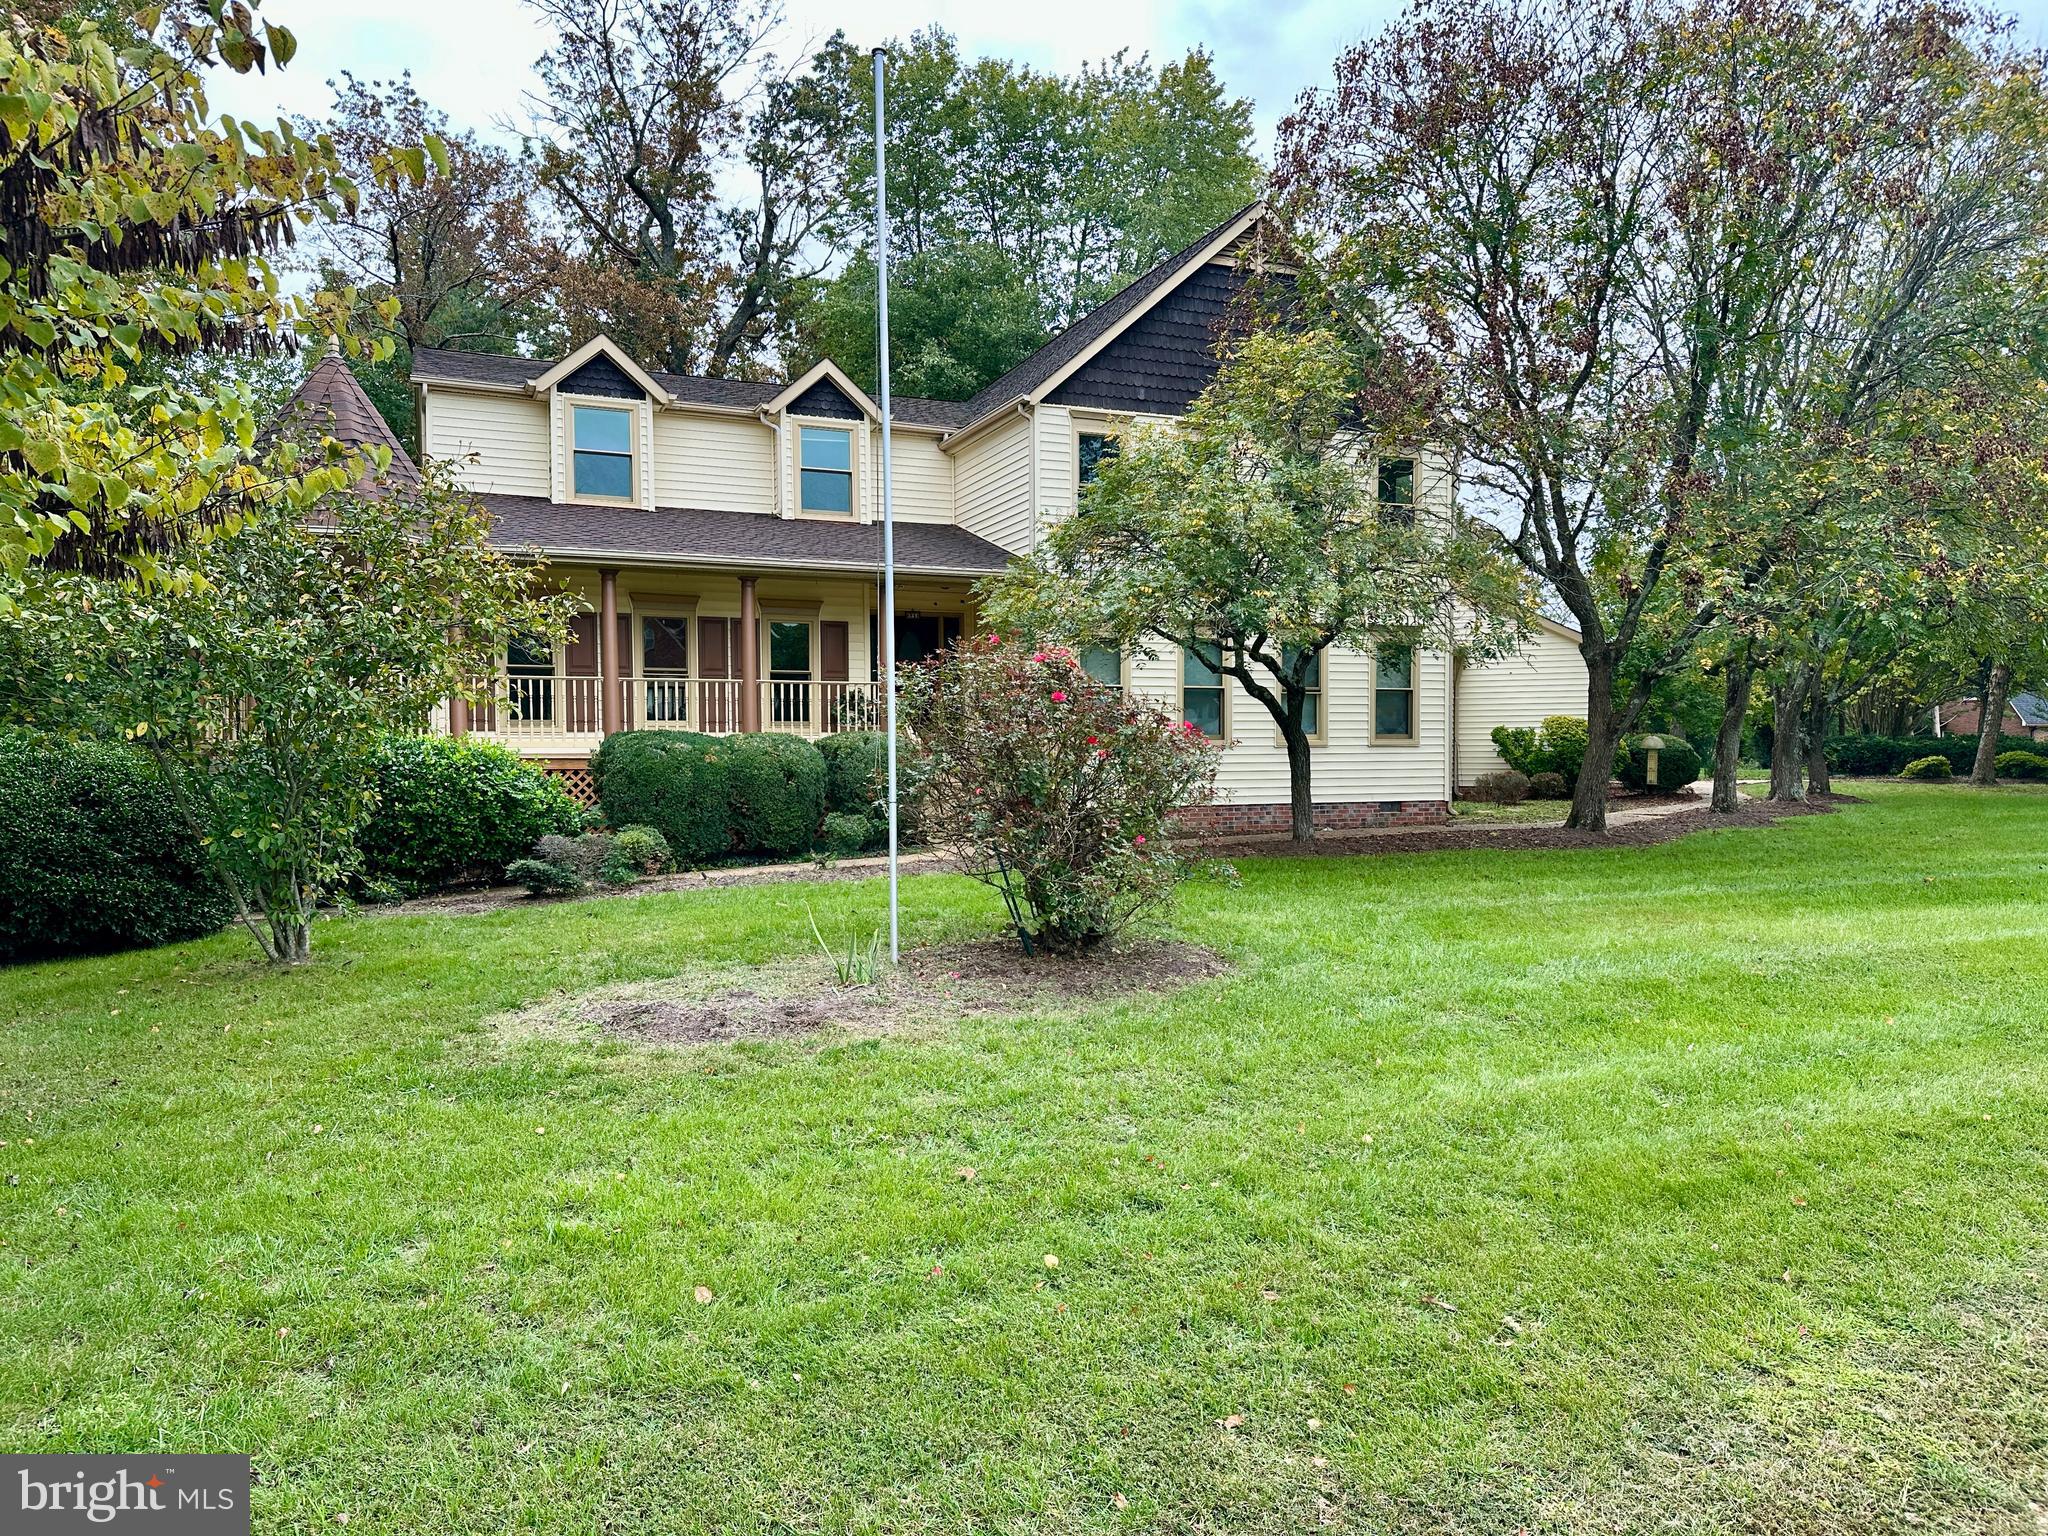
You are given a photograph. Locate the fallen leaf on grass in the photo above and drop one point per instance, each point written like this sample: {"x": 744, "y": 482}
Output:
{"x": 1230, "y": 1422}
{"x": 703, "y": 1295}
{"x": 1269, "y": 1295}
{"x": 1119, "y": 1501}
{"x": 965, "y": 1175}
{"x": 1429, "y": 1299}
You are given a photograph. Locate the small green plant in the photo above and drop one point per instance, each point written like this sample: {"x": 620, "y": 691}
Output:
{"x": 1933, "y": 770}
{"x": 859, "y": 966}
{"x": 845, "y": 834}
{"x": 1549, "y": 786}
{"x": 645, "y": 850}
{"x": 543, "y": 878}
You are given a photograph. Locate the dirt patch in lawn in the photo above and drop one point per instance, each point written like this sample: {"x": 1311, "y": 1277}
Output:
{"x": 950, "y": 981}
{"x": 1627, "y": 834}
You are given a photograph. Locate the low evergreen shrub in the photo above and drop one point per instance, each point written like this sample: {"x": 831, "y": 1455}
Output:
{"x": 677, "y": 782}
{"x": 452, "y": 809}
{"x": 777, "y": 787}
{"x": 1506, "y": 787}
{"x": 93, "y": 854}
{"x": 2025, "y": 766}
{"x": 1678, "y": 764}
{"x": 644, "y": 849}
{"x": 1549, "y": 785}
{"x": 845, "y": 834}
{"x": 1934, "y": 769}
{"x": 856, "y": 771}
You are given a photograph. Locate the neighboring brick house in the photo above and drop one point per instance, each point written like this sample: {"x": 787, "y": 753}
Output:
{"x": 2026, "y": 714}
{"x": 725, "y": 539}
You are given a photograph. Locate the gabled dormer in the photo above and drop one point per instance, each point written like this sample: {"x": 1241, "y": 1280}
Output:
{"x": 828, "y": 430}
{"x": 601, "y": 407}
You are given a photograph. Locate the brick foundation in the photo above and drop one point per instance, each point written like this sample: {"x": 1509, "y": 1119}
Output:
{"x": 1226, "y": 820}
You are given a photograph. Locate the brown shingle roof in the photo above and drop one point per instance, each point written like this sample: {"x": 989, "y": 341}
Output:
{"x": 436, "y": 366}
{"x": 330, "y": 401}
{"x": 568, "y": 529}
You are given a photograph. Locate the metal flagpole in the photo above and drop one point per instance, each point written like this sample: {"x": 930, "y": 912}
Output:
{"x": 886, "y": 630}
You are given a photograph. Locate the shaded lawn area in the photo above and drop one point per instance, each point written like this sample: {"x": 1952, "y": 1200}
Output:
{"x": 1728, "y": 1155}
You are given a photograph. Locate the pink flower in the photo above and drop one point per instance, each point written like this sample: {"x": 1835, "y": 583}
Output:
{"x": 1139, "y": 840}
{"x": 1059, "y": 696}
{"x": 1094, "y": 741}
{"x": 1038, "y": 656}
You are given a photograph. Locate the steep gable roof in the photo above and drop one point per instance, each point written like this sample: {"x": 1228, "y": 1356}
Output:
{"x": 331, "y": 402}
{"x": 1045, "y": 367}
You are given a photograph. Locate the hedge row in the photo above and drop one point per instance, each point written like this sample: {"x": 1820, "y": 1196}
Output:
{"x": 717, "y": 797}
{"x": 1883, "y": 756}
{"x": 93, "y": 854}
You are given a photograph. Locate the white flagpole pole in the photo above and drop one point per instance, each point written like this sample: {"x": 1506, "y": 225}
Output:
{"x": 886, "y": 630}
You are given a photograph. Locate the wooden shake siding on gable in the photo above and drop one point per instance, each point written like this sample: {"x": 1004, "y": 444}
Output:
{"x": 1167, "y": 356}
{"x": 602, "y": 377}
{"x": 824, "y": 399}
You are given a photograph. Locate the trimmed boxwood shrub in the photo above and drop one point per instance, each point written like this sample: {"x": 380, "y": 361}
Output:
{"x": 93, "y": 855}
{"x": 458, "y": 808}
{"x": 1549, "y": 786}
{"x": 2021, "y": 765}
{"x": 856, "y": 769}
{"x": 677, "y": 782}
{"x": 778, "y": 792}
{"x": 845, "y": 834}
{"x": 1507, "y": 787}
{"x": 1677, "y": 764}
{"x": 1936, "y": 769}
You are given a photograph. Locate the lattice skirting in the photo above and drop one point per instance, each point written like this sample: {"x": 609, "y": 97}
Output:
{"x": 574, "y": 772}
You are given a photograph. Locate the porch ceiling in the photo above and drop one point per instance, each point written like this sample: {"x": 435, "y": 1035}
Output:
{"x": 679, "y": 535}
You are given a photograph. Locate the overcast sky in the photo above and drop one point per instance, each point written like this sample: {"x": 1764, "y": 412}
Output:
{"x": 473, "y": 58}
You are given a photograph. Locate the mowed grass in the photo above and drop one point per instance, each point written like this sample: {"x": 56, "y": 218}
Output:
{"x": 1695, "y": 1187}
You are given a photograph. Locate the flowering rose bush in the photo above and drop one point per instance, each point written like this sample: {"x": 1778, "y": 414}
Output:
{"x": 1055, "y": 788}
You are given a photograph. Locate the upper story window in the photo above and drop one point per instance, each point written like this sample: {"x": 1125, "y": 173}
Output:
{"x": 825, "y": 465}
{"x": 603, "y": 457}
{"x": 1104, "y": 663}
{"x": 1397, "y": 491}
{"x": 1091, "y": 451}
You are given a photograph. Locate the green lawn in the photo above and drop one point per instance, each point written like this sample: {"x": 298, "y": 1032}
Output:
{"x": 1728, "y": 1154}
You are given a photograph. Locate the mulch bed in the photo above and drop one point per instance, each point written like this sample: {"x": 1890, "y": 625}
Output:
{"x": 1631, "y": 834}
{"x": 986, "y": 976}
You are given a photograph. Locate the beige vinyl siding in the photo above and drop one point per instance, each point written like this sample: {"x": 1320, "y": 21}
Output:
{"x": 717, "y": 463}
{"x": 1349, "y": 765}
{"x": 923, "y": 477}
{"x": 1055, "y": 489}
{"x": 507, "y": 434}
{"x": 1546, "y": 677}
{"x": 992, "y": 480}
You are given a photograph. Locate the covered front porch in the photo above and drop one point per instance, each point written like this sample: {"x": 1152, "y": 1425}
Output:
{"x": 712, "y": 651}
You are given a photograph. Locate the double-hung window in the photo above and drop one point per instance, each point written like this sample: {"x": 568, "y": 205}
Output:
{"x": 1312, "y": 688}
{"x": 1103, "y": 663}
{"x": 665, "y": 667}
{"x": 530, "y": 677}
{"x": 1397, "y": 492}
{"x": 602, "y": 463}
{"x": 825, "y": 469}
{"x": 1201, "y": 689}
{"x": 1393, "y": 693}
{"x": 1091, "y": 451}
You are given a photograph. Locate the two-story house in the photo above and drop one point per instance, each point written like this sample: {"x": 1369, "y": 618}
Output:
{"x": 725, "y": 538}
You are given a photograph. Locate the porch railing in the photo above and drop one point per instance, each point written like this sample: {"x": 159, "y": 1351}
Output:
{"x": 571, "y": 709}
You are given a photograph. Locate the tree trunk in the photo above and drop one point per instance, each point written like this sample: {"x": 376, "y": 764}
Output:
{"x": 1990, "y": 719}
{"x": 1728, "y": 742}
{"x": 1788, "y": 701}
{"x": 1603, "y": 731}
{"x": 1300, "y": 797}
{"x": 1818, "y": 783}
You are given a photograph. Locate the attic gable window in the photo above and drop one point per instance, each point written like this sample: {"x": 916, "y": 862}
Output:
{"x": 825, "y": 464}
{"x": 603, "y": 456}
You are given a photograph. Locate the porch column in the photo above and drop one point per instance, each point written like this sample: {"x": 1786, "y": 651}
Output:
{"x": 608, "y": 650}
{"x": 750, "y": 658}
{"x": 458, "y": 715}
